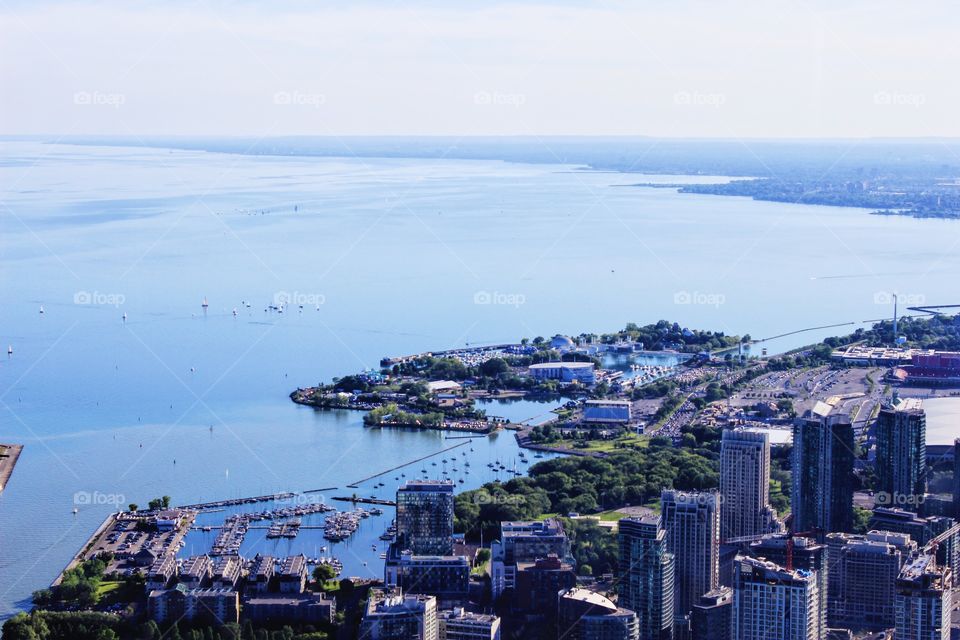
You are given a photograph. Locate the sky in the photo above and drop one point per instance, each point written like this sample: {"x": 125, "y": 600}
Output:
{"x": 681, "y": 68}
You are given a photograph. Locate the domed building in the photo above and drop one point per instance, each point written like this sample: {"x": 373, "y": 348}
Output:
{"x": 561, "y": 343}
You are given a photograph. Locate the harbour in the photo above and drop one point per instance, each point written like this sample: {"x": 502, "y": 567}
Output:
{"x": 120, "y": 416}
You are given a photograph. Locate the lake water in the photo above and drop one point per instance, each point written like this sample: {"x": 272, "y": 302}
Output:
{"x": 400, "y": 256}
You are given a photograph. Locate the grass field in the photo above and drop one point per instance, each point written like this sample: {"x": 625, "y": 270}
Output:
{"x": 626, "y": 441}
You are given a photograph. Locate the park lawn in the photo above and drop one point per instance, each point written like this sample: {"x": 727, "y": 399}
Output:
{"x": 108, "y": 586}
{"x": 611, "y": 516}
{"x": 626, "y": 441}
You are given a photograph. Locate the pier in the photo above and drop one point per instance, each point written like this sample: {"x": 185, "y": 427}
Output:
{"x": 353, "y": 485}
{"x": 206, "y": 506}
{"x": 9, "y": 454}
{"x": 386, "y": 503}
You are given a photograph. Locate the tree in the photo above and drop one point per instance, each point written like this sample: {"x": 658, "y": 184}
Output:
{"x": 324, "y": 572}
{"x": 133, "y": 506}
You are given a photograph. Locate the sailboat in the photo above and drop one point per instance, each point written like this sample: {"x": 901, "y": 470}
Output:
{"x": 41, "y": 308}
{"x": 204, "y": 304}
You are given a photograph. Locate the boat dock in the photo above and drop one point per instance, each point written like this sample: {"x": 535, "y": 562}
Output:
{"x": 390, "y": 361}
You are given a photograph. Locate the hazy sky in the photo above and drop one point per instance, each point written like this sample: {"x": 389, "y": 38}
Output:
{"x": 653, "y": 67}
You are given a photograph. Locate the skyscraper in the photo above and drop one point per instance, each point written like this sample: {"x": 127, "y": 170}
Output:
{"x": 745, "y": 484}
{"x": 772, "y": 602}
{"x": 956, "y": 478}
{"x": 425, "y": 517}
{"x": 692, "y": 522}
{"x": 393, "y": 615}
{"x": 822, "y": 465}
{"x": 923, "y": 601}
{"x": 901, "y": 432}
{"x": 798, "y": 552}
{"x": 923, "y": 531}
{"x": 863, "y": 573}
{"x": 646, "y": 575}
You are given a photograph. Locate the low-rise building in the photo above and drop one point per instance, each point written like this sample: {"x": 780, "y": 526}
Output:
{"x": 262, "y": 570}
{"x": 226, "y": 571}
{"x": 287, "y": 608}
{"x": 214, "y": 606}
{"x": 196, "y": 572}
{"x": 539, "y": 582}
{"x": 168, "y": 519}
{"x": 712, "y": 615}
{"x": 293, "y": 574}
{"x": 581, "y": 372}
{"x": 587, "y": 615}
{"x": 458, "y": 624}
{"x": 607, "y": 412}
{"x": 161, "y": 572}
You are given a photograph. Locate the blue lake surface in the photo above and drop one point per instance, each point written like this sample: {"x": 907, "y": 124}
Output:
{"x": 388, "y": 257}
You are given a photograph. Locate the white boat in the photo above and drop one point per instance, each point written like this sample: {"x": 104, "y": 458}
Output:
{"x": 41, "y": 308}
{"x": 204, "y": 304}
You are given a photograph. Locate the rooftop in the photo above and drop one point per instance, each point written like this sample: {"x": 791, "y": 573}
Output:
{"x": 591, "y": 598}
